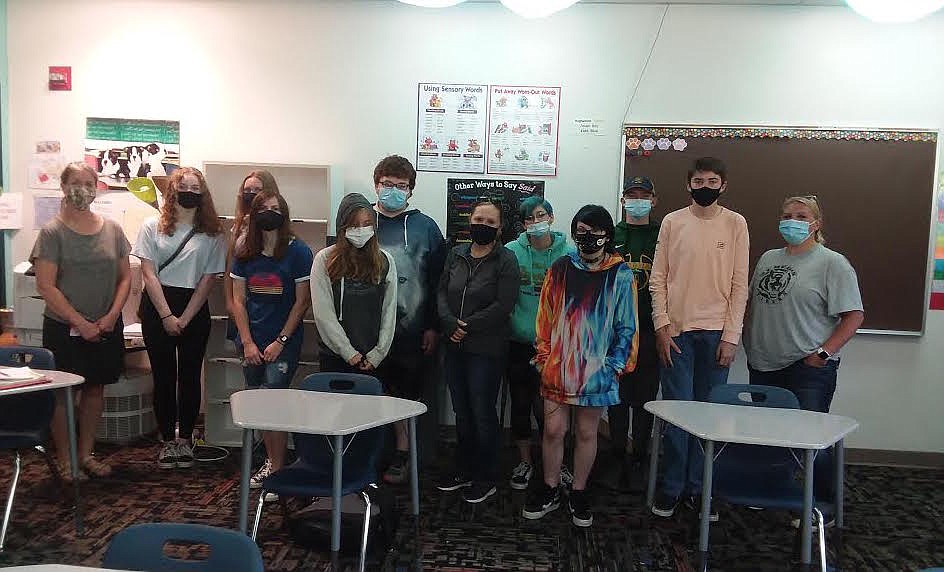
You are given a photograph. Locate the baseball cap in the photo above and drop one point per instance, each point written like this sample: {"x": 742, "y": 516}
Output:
{"x": 644, "y": 183}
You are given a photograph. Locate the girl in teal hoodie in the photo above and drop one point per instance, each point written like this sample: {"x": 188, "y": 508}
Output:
{"x": 536, "y": 250}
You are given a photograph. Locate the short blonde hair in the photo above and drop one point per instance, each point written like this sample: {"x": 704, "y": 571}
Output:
{"x": 73, "y": 169}
{"x": 810, "y": 202}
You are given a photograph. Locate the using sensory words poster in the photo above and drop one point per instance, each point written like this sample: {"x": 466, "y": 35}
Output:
{"x": 463, "y": 194}
{"x": 451, "y": 127}
{"x": 523, "y": 130}
{"x": 123, "y": 149}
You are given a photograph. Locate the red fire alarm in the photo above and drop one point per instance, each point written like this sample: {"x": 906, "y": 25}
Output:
{"x": 60, "y": 78}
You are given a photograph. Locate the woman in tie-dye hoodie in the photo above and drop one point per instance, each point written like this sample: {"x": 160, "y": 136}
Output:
{"x": 586, "y": 338}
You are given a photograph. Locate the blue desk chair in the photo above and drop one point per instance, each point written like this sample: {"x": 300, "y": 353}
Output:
{"x": 757, "y": 475}
{"x": 312, "y": 474}
{"x": 141, "y": 547}
{"x": 25, "y": 418}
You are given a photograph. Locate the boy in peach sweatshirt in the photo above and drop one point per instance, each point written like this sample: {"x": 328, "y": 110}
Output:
{"x": 699, "y": 291}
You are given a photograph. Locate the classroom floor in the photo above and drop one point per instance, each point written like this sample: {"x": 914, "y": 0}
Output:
{"x": 894, "y": 520}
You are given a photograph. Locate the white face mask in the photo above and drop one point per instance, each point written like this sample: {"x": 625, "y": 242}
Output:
{"x": 359, "y": 236}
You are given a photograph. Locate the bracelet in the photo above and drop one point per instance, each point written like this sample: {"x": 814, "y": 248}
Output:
{"x": 167, "y": 316}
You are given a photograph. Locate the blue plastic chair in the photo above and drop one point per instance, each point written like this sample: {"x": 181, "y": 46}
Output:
{"x": 25, "y": 418}
{"x": 141, "y": 547}
{"x": 756, "y": 475}
{"x": 312, "y": 474}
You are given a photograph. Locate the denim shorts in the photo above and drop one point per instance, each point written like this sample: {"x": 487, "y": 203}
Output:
{"x": 275, "y": 375}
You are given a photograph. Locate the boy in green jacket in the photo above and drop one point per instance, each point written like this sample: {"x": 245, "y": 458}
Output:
{"x": 635, "y": 239}
{"x": 536, "y": 250}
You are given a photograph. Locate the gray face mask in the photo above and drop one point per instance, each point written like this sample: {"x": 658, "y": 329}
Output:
{"x": 79, "y": 197}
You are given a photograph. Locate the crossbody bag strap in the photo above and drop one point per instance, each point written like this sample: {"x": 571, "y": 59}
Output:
{"x": 187, "y": 238}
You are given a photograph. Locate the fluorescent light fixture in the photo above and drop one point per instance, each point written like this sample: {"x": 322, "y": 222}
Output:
{"x": 894, "y": 11}
{"x": 538, "y": 8}
{"x": 433, "y": 3}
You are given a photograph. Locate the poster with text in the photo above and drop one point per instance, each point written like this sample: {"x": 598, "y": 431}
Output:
{"x": 122, "y": 149}
{"x": 451, "y": 127}
{"x": 937, "y": 280}
{"x": 463, "y": 194}
{"x": 523, "y": 130}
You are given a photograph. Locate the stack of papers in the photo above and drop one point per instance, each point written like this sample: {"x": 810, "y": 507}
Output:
{"x": 9, "y": 374}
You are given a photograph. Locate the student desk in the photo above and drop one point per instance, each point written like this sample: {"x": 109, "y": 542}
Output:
{"x": 65, "y": 381}
{"x": 319, "y": 413}
{"x": 791, "y": 428}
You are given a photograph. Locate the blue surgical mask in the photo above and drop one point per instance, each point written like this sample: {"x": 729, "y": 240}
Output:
{"x": 637, "y": 208}
{"x": 794, "y": 231}
{"x": 392, "y": 198}
{"x": 539, "y": 229}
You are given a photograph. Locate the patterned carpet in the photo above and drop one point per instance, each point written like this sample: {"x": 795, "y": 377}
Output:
{"x": 894, "y": 522}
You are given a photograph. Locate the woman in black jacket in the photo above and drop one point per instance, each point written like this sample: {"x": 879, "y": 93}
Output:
{"x": 477, "y": 293}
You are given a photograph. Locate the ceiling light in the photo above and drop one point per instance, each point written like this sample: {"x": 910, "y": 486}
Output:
{"x": 537, "y": 8}
{"x": 886, "y": 11}
{"x": 433, "y": 3}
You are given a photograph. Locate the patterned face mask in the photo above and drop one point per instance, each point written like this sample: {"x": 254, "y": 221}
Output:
{"x": 80, "y": 197}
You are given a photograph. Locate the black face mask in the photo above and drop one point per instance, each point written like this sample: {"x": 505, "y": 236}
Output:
{"x": 269, "y": 220}
{"x": 590, "y": 243}
{"x": 189, "y": 200}
{"x": 482, "y": 234}
{"x": 247, "y": 199}
{"x": 705, "y": 197}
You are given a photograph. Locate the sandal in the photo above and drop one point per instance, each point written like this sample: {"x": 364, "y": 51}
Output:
{"x": 65, "y": 473}
{"x": 96, "y": 468}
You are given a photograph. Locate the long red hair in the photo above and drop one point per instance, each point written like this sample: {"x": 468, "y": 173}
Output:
{"x": 251, "y": 245}
{"x": 268, "y": 184}
{"x": 204, "y": 220}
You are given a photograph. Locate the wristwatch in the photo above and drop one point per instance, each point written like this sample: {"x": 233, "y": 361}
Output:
{"x": 823, "y": 354}
{"x": 283, "y": 339}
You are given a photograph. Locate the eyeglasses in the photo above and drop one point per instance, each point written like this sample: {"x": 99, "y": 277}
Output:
{"x": 193, "y": 189}
{"x": 537, "y": 218}
{"x": 252, "y": 190}
{"x": 400, "y": 186}
{"x": 581, "y": 232}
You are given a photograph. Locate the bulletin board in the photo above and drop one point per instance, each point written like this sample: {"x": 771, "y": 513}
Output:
{"x": 876, "y": 188}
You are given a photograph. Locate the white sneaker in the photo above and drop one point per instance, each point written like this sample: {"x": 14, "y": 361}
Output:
{"x": 255, "y": 482}
{"x": 521, "y": 476}
{"x": 270, "y": 497}
{"x": 184, "y": 455}
{"x": 566, "y": 477}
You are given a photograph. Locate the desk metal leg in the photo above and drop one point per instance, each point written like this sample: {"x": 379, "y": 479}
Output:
{"x": 74, "y": 458}
{"x": 246, "y": 467}
{"x": 336, "y": 494}
{"x": 653, "y": 460}
{"x": 806, "y": 519}
{"x": 839, "y": 453}
{"x": 414, "y": 469}
{"x": 706, "y": 488}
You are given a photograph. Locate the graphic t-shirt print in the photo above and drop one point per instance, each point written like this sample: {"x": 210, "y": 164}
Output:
{"x": 775, "y": 283}
{"x": 642, "y": 268}
{"x": 266, "y": 284}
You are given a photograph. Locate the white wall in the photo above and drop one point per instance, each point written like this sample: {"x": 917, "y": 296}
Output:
{"x": 335, "y": 83}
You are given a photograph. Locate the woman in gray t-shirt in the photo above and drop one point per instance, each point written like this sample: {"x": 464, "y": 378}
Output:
{"x": 804, "y": 307}
{"x": 83, "y": 274}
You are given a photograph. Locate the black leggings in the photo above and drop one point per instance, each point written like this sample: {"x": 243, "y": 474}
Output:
{"x": 176, "y": 362}
{"x": 636, "y": 388}
{"x": 524, "y": 381}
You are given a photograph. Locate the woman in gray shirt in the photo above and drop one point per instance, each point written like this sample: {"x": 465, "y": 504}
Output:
{"x": 804, "y": 307}
{"x": 83, "y": 274}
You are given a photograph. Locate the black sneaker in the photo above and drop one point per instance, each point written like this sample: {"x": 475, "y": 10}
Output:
{"x": 521, "y": 475}
{"x": 398, "y": 472}
{"x": 454, "y": 483}
{"x": 694, "y": 503}
{"x": 541, "y": 500}
{"x": 664, "y": 505}
{"x": 579, "y": 503}
{"x": 478, "y": 492}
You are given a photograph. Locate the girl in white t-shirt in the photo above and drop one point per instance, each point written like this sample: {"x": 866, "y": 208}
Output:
{"x": 181, "y": 251}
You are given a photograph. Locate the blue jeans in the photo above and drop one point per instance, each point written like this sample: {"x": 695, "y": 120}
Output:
{"x": 275, "y": 375}
{"x": 692, "y": 375}
{"x": 473, "y": 382}
{"x": 814, "y": 388}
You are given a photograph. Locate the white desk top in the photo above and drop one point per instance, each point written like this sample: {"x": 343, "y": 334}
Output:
{"x": 56, "y": 568}
{"x": 317, "y": 412}
{"x": 755, "y": 425}
{"x": 59, "y": 379}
